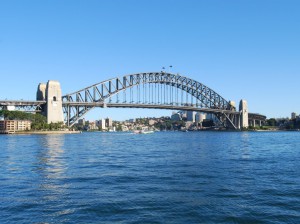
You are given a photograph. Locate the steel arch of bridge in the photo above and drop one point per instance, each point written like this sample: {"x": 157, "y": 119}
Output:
{"x": 78, "y": 103}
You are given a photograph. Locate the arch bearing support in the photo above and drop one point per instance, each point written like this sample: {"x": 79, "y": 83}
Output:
{"x": 157, "y": 90}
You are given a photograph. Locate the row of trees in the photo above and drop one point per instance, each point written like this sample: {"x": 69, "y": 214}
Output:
{"x": 284, "y": 123}
{"x": 279, "y": 123}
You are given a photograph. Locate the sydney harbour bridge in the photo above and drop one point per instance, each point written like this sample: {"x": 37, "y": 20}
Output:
{"x": 151, "y": 90}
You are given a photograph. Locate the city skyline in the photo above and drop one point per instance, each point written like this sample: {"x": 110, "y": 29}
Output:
{"x": 242, "y": 50}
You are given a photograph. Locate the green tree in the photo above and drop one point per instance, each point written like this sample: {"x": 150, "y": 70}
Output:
{"x": 271, "y": 122}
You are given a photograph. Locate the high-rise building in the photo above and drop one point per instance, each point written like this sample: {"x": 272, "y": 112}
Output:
{"x": 101, "y": 124}
{"x": 108, "y": 122}
{"x": 293, "y": 115}
{"x": 191, "y": 116}
{"x": 81, "y": 122}
{"x": 200, "y": 117}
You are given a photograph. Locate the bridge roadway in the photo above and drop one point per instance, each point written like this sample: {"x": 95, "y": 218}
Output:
{"x": 21, "y": 103}
{"x": 147, "y": 106}
{"x": 27, "y": 106}
{"x": 36, "y": 106}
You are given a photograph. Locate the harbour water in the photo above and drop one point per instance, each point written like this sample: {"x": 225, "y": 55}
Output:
{"x": 164, "y": 177}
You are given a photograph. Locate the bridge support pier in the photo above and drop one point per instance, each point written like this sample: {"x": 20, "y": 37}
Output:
{"x": 244, "y": 114}
{"x": 51, "y": 92}
{"x": 238, "y": 121}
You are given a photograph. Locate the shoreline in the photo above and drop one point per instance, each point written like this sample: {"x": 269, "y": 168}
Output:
{"x": 42, "y": 132}
{"x": 78, "y": 132}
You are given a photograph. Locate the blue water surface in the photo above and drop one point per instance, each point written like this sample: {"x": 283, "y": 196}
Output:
{"x": 165, "y": 177}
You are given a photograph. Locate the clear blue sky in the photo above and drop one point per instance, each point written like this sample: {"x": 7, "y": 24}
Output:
{"x": 242, "y": 49}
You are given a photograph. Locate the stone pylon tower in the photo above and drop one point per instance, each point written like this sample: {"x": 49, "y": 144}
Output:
{"x": 41, "y": 96}
{"x": 244, "y": 114}
{"x": 51, "y": 93}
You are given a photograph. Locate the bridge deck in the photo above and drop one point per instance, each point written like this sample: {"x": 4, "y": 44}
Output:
{"x": 147, "y": 106}
{"x": 20, "y": 103}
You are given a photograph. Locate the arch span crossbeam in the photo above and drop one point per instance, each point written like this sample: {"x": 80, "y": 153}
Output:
{"x": 159, "y": 89}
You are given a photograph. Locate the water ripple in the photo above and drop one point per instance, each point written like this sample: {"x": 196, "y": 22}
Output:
{"x": 167, "y": 177}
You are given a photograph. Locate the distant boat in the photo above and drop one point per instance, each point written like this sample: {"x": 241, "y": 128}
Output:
{"x": 147, "y": 132}
{"x": 136, "y": 132}
{"x": 142, "y": 132}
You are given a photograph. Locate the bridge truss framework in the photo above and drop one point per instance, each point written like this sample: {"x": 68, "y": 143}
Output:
{"x": 156, "y": 90}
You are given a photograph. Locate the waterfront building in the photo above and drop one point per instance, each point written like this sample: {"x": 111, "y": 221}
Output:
{"x": 293, "y": 115}
{"x": 200, "y": 117}
{"x": 23, "y": 125}
{"x": 14, "y": 125}
{"x": 92, "y": 125}
{"x": 188, "y": 124}
{"x": 101, "y": 124}
{"x": 191, "y": 116}
{"x": 108, "y": 122}
{"x": 152, "y": 122}
{"x": 81, "y": 122}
